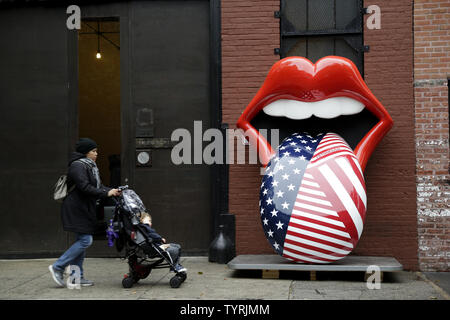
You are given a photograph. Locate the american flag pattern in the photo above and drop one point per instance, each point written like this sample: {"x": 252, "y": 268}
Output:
{"x": 313, "y": 199}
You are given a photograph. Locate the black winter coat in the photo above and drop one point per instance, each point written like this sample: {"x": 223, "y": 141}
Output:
{"x": 157, "y": 239}
{"x": 78, "y": 210}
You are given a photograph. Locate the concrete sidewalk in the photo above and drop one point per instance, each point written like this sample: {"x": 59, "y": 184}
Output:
{"x": 30, "y": 279}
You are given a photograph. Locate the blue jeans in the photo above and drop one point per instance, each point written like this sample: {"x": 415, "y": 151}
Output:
{"x": 75, "y": 254}
{"x": 175, "y": 251}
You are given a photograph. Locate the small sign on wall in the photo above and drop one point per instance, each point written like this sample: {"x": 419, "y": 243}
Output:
{"x": 143, "y": 158}
{"x": 144, "y": 122}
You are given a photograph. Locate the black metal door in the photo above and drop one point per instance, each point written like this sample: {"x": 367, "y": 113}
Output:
{"x": 170, "y": 89}
{"x": 33, "y": 129}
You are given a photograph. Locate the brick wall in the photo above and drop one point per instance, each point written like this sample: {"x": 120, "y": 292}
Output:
{"x": 431, "y": 71}
{"x": 249, "y": 34}
{"x": 391, "y": 221}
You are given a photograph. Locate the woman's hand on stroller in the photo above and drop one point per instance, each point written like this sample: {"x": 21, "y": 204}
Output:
{"x": 114, "y": 193}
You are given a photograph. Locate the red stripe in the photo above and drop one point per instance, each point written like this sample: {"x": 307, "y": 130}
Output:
{"x": 319, "y": 240}
{"x": 331, "y": 139}
{"x": 329, "y": 147}
{"x": 310, "y": 255}
{"x": 344, "y": 153}
{"x": 306, "y": 255}
{"x": 322, "y": 232}
{"x": 311, "y": 203}
{"x": 311, "y": 211}
{"x": 333, "y": 198}
{"x": 358, "y": 173}
{"x": 286, "y": 254}
{"x": 348, "y": 185}
{"x": 310, "y": 186}
{"x": 338, "y": 144}
{"x": 325, "y": 224}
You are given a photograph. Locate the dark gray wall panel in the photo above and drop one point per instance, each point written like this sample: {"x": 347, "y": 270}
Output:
{"x": 170, "y": 74}
{"x": 34, "y": 124}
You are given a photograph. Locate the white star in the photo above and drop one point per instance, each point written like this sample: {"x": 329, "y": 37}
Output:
{"x": 262, "y": 184}
{"x": 283, "y": 147}
{"x": 274, "y": 212}
{"x": 293, "y": 144}
{"x": 297, "y": 150}
{"x": 303, "y": 141}
{"x": 280, "y": 167}
{"x": 302, "y": 158}
{"x": 288, "y": 139}
{"x": 277, "y": 168}
{"x": 309, "y": 136}
{"x": 265, "y": 191}
{"x": 299, "y": 136}
{"x": 270, "y": 174}
{"x": 276, "y": 159}
{"x": 308, "y": 148}
{"x": 285, "y": 176}
{"x": 270, "y": 233}
{"x": 269, "y": 201}
{"x": 276, "y": 245}
{"x": 274, "y": 183}
{"x": 265, "y": 221}
{"x": 291, "y": 161}
{"x": 291, "y": 187}
{"x": 297, "y": 171}
{"x": 280, "y": 194}
{"x": 287, "y": 154}
{"x": 313, "y": 141}
{"x": 262, "y": 211}
{"x": 285, "y": 205}
{"x": 279, "y": 225}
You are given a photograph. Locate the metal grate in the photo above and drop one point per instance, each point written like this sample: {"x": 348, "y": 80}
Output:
{"x": 314, "y": 29}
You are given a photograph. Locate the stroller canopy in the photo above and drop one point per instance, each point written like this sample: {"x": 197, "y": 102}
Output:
{"x": 131, "y": 202}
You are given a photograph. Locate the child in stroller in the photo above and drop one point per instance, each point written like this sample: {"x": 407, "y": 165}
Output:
{"x": 144, "y": 248}
{"x": 173, "y": 249}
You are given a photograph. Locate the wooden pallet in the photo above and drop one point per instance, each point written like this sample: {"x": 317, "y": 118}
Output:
{"x": 271, "y": 265}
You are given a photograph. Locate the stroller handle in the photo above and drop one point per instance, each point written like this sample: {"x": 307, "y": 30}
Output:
{"x": 120, "y": 188}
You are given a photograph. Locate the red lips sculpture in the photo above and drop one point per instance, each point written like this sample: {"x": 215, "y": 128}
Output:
{"x": 312, "y": 199}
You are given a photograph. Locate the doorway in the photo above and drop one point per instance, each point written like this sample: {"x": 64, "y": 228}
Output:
{"x": 99, "y": 111}
{"x": 167, "y": 75}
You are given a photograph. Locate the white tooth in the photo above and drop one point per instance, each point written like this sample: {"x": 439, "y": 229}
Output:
{"x": 350, "y": 106}
{"x": 326, "y": 109}
{"x": 292, "y": 109}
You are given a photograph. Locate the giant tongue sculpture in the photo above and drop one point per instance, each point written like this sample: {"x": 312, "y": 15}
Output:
{"x": 313, "y": 196}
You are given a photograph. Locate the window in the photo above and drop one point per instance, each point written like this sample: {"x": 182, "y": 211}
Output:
{"x": 314, "y": 29}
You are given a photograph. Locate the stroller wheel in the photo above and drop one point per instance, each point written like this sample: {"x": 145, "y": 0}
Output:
{"x": 127, "y": 282}
{"x": 175, "y": 281}
{"x": 183, "y": 276}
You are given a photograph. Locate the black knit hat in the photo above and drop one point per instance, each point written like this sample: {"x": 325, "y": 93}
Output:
{"x": 84, "y": 145}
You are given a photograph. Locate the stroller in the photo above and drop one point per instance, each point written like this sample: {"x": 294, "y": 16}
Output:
{"x": 142, "y": 254}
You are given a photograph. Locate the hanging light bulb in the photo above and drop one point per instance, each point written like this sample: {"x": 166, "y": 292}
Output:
{"x": 98, "y": 55}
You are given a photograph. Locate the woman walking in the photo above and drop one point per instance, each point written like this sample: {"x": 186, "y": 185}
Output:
{"x": 78, "y": 210}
